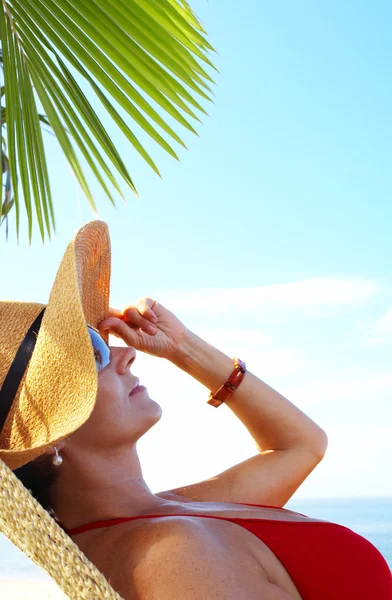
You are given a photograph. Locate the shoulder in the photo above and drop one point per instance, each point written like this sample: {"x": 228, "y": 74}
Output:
{"x": 126, "y": 553}
{"x": 180, "y": 558}
{"x": 155, "y": 536}
{"x": 176, "y": 557}
{"x": 131, "y": 542}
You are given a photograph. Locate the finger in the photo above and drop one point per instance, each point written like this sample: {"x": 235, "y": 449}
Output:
{"x": 114, "y": 312}
{"x": 135, "y": 321}
{"x": 120, "y": 329}
{"x": 146, "y": 308}
{"x": 140, "y": 313}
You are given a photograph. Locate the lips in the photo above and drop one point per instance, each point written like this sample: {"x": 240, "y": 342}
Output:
{"x": 137, "y": 383}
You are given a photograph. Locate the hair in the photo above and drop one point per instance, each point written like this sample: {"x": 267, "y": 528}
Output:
{"x": 37, "y": 476}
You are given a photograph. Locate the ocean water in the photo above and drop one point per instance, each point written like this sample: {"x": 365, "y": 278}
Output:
{"x": 370, "y": 517}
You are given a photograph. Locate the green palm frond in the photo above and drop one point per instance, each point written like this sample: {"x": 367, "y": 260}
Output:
{"x": 9, "y": 201}
{"x": 148, "y": 57}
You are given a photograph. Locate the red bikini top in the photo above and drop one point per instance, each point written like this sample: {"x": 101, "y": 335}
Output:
{"x": 326, "y": 561}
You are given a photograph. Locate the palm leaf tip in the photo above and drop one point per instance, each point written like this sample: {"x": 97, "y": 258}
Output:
{"x": 151, "y": 55}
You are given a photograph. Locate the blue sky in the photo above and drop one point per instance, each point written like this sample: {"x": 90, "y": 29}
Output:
{"x": 270, "y": 238}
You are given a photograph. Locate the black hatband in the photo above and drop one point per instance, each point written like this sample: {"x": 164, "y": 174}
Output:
{"x": 17, "y": 369}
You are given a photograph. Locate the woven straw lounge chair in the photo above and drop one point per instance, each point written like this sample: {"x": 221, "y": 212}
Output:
{"x": 31, "y": 529}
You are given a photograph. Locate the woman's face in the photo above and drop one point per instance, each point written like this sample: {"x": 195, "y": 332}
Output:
{"x": 118, "y": 418}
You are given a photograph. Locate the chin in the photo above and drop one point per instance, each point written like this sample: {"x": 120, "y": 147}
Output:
{"x": 158, "y": 409}
{"x": 150, "y": 411}
{"x": 146, "y": 423}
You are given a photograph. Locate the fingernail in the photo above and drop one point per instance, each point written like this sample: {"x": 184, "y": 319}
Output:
{"x": 151, "y": 328}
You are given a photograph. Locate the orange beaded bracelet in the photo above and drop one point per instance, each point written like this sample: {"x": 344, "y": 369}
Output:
{"x": 230, "y": 386}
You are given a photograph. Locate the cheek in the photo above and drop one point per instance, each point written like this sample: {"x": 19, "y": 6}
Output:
{"x": 110, "y": 396}
{"x": 109, "y": 407}
{"x": 108, "y": 422}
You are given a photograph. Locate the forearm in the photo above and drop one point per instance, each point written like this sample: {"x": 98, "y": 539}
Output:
{"x": 272, "y": 420}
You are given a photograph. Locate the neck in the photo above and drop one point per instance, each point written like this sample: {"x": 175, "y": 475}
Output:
{"x": 91, "y": 488}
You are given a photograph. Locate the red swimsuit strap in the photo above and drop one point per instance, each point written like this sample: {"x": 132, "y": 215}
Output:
{"x": 118, "y": 520}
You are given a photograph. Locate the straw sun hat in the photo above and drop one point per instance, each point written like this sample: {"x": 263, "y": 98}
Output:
{"x": 46, "y": 395}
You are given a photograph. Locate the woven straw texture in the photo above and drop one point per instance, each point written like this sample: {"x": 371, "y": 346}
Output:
{"x": 34, "y": 532}
{"x": 58, "y": 391}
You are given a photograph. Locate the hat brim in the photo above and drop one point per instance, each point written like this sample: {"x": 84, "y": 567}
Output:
{"x": 59, "y": 389}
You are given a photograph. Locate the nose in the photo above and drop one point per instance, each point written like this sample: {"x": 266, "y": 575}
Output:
{"x": 124, "y": 357}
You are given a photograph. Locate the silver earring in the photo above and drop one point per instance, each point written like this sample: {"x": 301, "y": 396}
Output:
{"x": 57, "y": 460}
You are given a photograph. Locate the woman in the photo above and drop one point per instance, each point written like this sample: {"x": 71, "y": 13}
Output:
{"x": 72, "y": 411}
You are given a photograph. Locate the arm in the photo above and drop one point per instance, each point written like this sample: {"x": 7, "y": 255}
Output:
{"x": 290, "y": 444}
{"x": 269, "y": 478}
{"x": 272, "y": 420}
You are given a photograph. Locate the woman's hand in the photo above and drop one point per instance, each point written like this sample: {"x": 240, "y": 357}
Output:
{"x": 147, "y": 326}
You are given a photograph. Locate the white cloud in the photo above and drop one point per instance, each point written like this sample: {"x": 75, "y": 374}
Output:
{"x": 355, "y": 384}
{"x": 308, "y": 293}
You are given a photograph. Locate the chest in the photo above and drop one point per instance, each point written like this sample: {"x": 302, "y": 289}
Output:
{"x": 254, "y": 559}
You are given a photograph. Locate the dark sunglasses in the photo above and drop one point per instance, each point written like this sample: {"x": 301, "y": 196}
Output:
{"x": 101, "y": 349}
{"x": 21, "y": 359}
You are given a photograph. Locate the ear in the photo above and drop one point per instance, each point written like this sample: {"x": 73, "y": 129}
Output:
{"x": 59, "y": 445}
